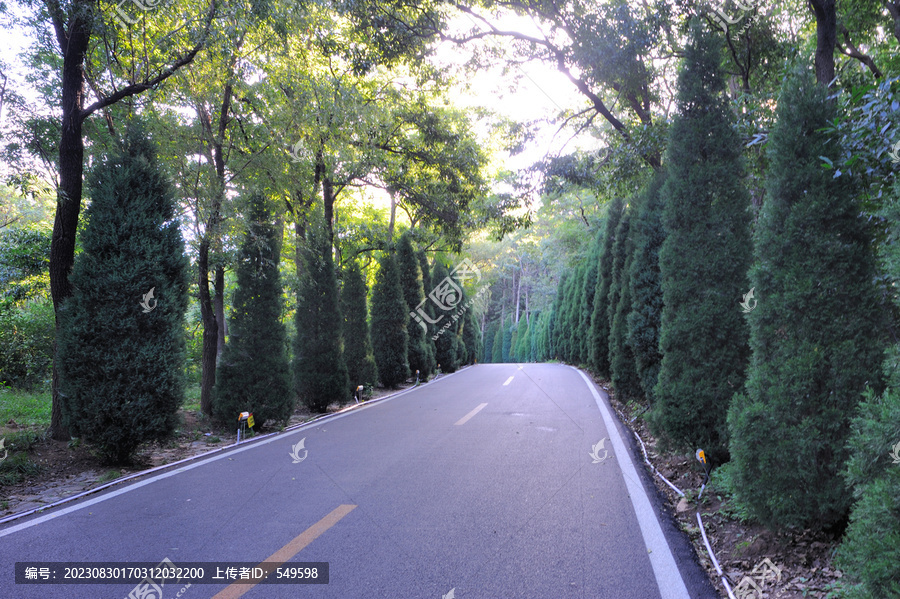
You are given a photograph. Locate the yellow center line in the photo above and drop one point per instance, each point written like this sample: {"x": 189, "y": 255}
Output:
{"x": 275, "y": 560}
{"x": 465, "y": 418}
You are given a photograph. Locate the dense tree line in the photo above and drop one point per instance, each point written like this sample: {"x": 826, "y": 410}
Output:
{"x": 769, "y": 383}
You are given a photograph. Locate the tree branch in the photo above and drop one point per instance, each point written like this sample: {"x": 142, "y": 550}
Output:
{"x": 853, "y": 52}
{"x": 137, "y": 88}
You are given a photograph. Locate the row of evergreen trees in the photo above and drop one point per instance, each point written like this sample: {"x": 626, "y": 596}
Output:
{"x": 507, "y": 341}
{"x": 655, "y": 306}
{"x": 122, "y": 367}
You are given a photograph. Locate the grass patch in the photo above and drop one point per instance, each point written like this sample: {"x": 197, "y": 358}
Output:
{"x": 109, "y": 475}
{"x": 191, "y": 398}
{"x": 21, "y": 440}
{"x": 15, "y": 468}
{"x": 27, "y": 408}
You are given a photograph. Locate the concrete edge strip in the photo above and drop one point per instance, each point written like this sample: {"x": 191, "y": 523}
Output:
{"x": 668, "y": 576}
{"x": 223, "y": 451}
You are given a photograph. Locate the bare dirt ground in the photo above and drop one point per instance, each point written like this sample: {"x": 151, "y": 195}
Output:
{"x": 804, "y": 558}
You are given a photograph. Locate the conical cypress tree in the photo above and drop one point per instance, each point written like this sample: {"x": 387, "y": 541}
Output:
{"x": 586, "y": 305}
{"x": 358, "y": 352}
{"x": 471, "y": 336}
{"x": 447, "y": 344}
{"x": 523, "y": 341}
{"x": 557, "y": 311}
{"x": 703, "y": 260}
{"x": 121, "y": 366}
{"x": 430, "y": 348}
{"x": 623, "y": 373}
{"x": 414, "y": 294}
{"x": 389, "y": 321}
{"x": 599, "y": 346}
{"x": 497, "y": 350}
{"x": 816, "y": 330}
{"x": 320, "y": 371}
{"x": 869, "y": 554}
{"x": 506, "y": 340}
{"x": 254, "y": 371}
{"x": 489, "y": 334}
{"x": 646, "y": 293}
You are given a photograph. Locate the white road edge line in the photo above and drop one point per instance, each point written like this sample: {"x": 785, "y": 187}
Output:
{"x": 465, "y": 418}
{"x": 668, "y": 576}
{"x": 225, "y": 454}
{"x": 508, "y": 381}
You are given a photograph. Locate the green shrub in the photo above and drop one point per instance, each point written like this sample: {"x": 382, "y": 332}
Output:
{"x": 27, "y": 333}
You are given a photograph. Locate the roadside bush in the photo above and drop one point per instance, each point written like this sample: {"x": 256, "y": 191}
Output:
{"x": 870, "y": 551}
{"x": 26, "y": 344}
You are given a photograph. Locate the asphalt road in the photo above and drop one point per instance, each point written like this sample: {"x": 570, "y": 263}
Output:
{"x": 481, "y": 484}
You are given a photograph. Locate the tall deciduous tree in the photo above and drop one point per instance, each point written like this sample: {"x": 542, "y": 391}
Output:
{"x": 815, "y": 332}
{"x": 703, "y": 260}
{"x": 122, "y": 367}
{"x": 254, "y": 372}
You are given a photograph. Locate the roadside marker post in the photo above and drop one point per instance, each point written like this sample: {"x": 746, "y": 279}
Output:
{"x": 245, "y": 423}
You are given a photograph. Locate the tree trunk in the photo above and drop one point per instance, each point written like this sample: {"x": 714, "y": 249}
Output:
{"x": 210, "y": 330}
{"x": 893, "y": 7}
{"x": 328, "y": 202}
{"x": 527, "y": 317}
{"x": 518, "y": 286}
{"x": 219, "y": 302}
{"x": 393, "y": 216}
{"x": 826, "y": 38}
{"x": 73, "y": 44}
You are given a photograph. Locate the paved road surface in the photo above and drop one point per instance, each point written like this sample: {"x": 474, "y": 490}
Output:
{"x": 480, "y": 484}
